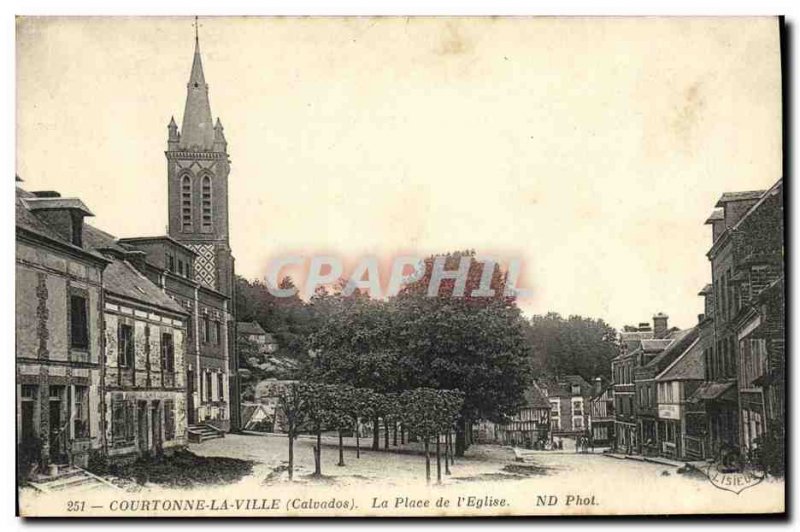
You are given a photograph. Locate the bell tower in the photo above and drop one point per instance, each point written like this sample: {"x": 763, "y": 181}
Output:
{"x": 197, "y": 172}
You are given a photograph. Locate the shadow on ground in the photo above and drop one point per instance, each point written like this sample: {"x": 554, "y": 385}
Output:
{"x": 181, "y": 469}
{"x": 509, "y": 472}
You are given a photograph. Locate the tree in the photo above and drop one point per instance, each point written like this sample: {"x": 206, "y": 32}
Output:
{"x": 418, "y": 408}
{"x": 322, "y": 411}
{"x": 474, "y": 344}
{"x": 572, "y": 346}
{"x": 362, "y": 407}
{"x": 292, "y": 402}
{"x": 344, "y": 402}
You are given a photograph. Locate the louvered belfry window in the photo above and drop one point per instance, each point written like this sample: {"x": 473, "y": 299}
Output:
{"x": 186, "y": 203}
{"x": 207, "y": 213}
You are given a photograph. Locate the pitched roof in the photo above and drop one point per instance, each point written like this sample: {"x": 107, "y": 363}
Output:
{"x": 683, "y": 339}
{"x": 95, "y": 238}
{"x": 688, "y": 366}
{"x": 25, "y": 219}
{"x": 535, "y": 398}
{"x": 653, "y": 345}
{"x": 37, "y": 203}
{"x": 739, "y": 196}
{"x": 716, "y": 216}
{"x": 250, "y": 328}
{"x": 248, "y": 410}
{"x": 709, "y": 391}
{"x": 122, "y": 279}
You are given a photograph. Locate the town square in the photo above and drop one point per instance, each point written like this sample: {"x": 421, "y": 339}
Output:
{"x": 423, "y": 269}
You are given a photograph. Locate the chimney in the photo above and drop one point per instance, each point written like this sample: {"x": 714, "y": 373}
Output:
{"x": 598, "y": 385}
{"x": 660, "y": 325}
{"x": 64, "y": 215}
{"x": 644, "y": 327}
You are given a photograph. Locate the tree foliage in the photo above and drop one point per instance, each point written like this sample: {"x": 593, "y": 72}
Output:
{"x": 572, "y": 346}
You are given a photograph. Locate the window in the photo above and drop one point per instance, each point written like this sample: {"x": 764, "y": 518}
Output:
{"x": 207, "y": 203}
{"x": 78, "y": 322}
{"x": 122, "y": 421}
{"x": 217, "y": 333}
{"x": 577, "y": 422}
{"x": 170, "y": 262}
{"x": 169, "y": 420}
{"x": 206, "y": 330}
{"x": 208, "y": 386}
{"x": 186, "y": 203}
{"x": 577, "y": 407}
{"x": 180, "y": 268}
{"x": 167, "y": 353}
{"x": 81, "y": 410}
{"x": 125, "y": 347}
{"x": 220, "y": 386}
{"x": 576, "y": 389}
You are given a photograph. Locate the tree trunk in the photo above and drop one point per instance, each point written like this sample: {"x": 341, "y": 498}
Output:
{"x": 394, "y": 436}
{"x": 402, "y": 434}
{"x": 376, "y": 434}
{"x": 438, "y": 459}
{"x": 341, "y": 450}
{"x": 291, "y": 454}
{"x": 461, "y": 444}
{"x": 447, "y": 454}
{"x": 427, "y": 462}
{"x": 386, "y": 434}
{"x": 318, "y": 454}
{"x": 452, "y": 453}
{"x": 358, "y": 447}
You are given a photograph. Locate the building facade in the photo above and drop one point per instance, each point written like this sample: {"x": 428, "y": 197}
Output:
{"x": 601, "y": 414}
{"x": 59, "y": 334}
{"x": 569, "y": 402}
{"x": 675, "y": 385}
{"x": 530, "y": 427}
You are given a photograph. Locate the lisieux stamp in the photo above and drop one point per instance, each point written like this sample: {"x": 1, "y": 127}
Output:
{"x": 443, "y": 266}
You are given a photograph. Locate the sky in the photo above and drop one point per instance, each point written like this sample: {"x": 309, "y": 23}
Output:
{"x": 592, "y": 150}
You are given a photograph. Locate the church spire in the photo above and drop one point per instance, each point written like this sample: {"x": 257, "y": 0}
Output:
{"x": 197, "y": 132}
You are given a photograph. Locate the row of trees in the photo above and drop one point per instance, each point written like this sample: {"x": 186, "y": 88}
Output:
{"x": 415, "y": 341}
{"x": 316, "y": 407}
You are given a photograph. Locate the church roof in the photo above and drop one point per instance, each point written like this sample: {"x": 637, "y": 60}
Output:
{"x": 197, "y": 132}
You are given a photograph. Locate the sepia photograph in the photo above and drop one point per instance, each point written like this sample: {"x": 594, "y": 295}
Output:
{"x": 399, "y": 266}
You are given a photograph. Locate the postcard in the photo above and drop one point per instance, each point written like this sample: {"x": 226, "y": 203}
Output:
{"x": 399, "y": 266}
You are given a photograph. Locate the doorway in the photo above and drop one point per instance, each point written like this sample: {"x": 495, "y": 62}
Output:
{"x": 59, "y": 424}
{"x": 155, "y": 416}
{"x": 141, "y": 416}
{"x": 190, "y": 413}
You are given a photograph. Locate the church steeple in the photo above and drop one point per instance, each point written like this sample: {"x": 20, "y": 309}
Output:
{"x": 197, "y": 172}
{"x": 197, "y": 132}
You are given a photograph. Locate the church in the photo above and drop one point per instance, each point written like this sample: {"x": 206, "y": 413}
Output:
{"x": 126, "y": 346}
{"x": 196, "y": 255}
